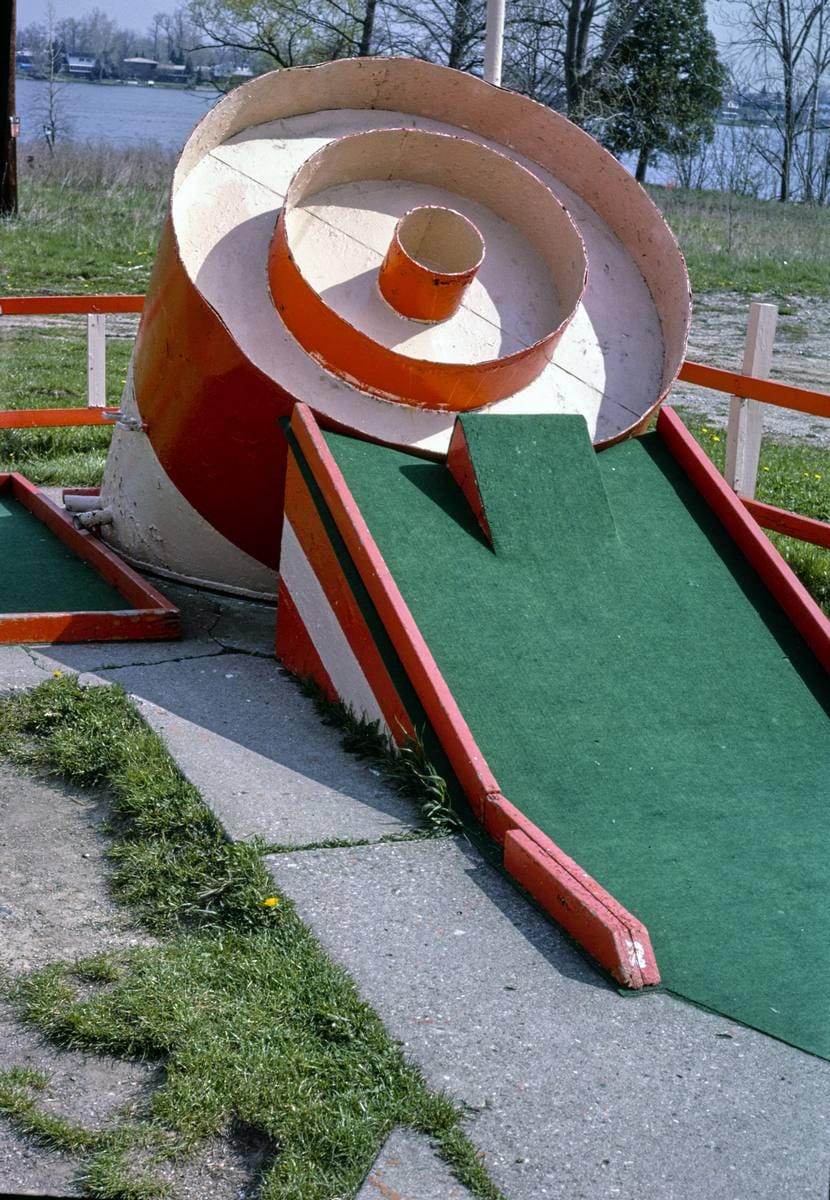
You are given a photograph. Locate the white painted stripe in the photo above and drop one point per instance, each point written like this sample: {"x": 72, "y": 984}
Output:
{"x": 331, "y": 643}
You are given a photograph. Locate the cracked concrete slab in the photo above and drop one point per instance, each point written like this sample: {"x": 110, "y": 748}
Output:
{"x": 20, "y": 670}
{"x": 576, "y": 1091}
{"x": 211, "y": 625}
{"x": 408, "y": 1168}
{"x": 245, "y": 737}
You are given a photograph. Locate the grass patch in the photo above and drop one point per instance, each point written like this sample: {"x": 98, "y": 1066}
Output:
{"x": 739, "y": 244}
{"x": 252, "y": 1020}
{"x": 791, "y": 475}
{"x": 45, "y": 367}
{"x": 89, "y": 222}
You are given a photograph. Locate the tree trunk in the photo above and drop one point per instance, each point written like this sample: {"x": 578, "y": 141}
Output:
{"x": 367, "y": 30}
{"x": 642, "y": 164}
{"x": 459, "y": 33}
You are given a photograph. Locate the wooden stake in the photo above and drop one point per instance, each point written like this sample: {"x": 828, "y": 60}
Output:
{"x": 96, "y": 359}
{"x": 743, "y": 437}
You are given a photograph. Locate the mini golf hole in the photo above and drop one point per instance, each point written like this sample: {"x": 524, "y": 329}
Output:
{"x": 441, "y": 240}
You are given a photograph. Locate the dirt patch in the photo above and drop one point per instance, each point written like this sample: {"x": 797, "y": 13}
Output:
{"x": 55, "y": 907}
{"x": 801, "y": 357}
{"x": 71, "y": 326}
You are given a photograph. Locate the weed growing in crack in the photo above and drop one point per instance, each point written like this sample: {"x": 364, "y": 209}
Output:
{"x": 406, "y": 766}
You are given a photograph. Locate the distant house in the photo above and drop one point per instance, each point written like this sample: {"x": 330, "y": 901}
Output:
{"x": 140, "y": 68}
{"x": 171, "y": 72}
{"x": 82, "y": 66}
{"x": 24, "y": 60}
{"x": 227, "y": 71}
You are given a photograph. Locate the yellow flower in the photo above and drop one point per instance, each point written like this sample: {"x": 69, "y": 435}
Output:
{"x": 818, "y": 476}
{"x": 715, "y": 437}
{"x": 705, "y": 428}
{"x": 271, "y": 902}
{"x": 57, "y": 674}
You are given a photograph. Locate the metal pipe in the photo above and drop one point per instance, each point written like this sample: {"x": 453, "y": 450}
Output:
{"x": 494, "y": 43}
{"x": 79, "y": 504}
{"x": 91, "y": 520}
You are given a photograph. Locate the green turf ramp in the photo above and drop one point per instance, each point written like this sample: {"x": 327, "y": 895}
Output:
{"x": 642, "y": 698}
{"x": 538, "y": 482}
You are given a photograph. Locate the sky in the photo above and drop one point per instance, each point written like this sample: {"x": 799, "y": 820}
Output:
{"x": 130, "y": 14}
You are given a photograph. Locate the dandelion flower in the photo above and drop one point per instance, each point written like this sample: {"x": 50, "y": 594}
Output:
{"x": 57, "y": 674}
{"x": 271, "y": 902}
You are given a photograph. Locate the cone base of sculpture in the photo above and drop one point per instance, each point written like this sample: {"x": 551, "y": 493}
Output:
{"x": 155, "y": 528}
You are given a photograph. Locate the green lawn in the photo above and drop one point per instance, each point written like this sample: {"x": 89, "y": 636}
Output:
{"x": 45, "y": 367}
{"x": 756, "y": 247}
{"x": 792, "y": 475}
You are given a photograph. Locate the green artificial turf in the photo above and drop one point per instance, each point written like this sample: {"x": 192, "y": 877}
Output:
{"x": 637, "y": 693}
{"x": 41, "y": 574}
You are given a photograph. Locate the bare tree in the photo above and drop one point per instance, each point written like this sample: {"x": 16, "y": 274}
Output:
{"x": 784, "y": 35}
{"x": 288, "y": 33}
{"x": 50, "y": 109}
{"x": 534, "y": 51}
{"x": 445, "y": 31}
{"x": 594, "y": 30}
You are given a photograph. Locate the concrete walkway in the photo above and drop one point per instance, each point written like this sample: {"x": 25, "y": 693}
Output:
{"x": 572, "y": 1090}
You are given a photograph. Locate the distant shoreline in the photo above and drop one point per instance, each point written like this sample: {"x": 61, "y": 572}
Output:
{"x": 200, "y": 89}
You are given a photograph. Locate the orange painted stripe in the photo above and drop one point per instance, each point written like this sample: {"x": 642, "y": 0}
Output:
{"x": 806, "y": 529}
{"x": 442, "y": 711}
{"x": 790, "y": 593}
{"x": 294, "y": 647}
{"x": 768, "y": 391}
{"x": 36, "y": 306}
{"x": 47, "y": 418}
{"x": 301, "y": 513}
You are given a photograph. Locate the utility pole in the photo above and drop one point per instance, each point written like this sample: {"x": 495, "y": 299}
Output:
{"x": 9, "y": 124}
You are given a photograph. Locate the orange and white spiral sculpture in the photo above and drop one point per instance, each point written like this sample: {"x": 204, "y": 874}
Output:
{"x": 391, "y": 242}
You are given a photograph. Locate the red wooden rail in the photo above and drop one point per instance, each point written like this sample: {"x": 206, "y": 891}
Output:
{"x": 51, "y": 418}
{"x": 768, "y": 391}
{"x": 805, "y": 529}
{"x": 38, "y": 306}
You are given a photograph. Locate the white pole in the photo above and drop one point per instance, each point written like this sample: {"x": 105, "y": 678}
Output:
{"x": 743, "y": 437}
{"x": 495, "y": 41}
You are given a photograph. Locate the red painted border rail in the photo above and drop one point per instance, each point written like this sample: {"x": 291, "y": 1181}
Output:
{"x": 38, "y": 306}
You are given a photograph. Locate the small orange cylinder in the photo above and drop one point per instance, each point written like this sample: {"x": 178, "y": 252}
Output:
{"x": 432, "y": 259}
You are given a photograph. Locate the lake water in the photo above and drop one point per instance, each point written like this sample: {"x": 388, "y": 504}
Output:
{"x": 118, "y": 114}
{"x": 125, "y": 115}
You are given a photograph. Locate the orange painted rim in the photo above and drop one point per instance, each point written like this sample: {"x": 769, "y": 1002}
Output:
{"x": 372, "y": 367}
{"x": 412, "y": 284}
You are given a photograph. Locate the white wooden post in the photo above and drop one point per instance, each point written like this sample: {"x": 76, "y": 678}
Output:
{"x": 96, "y": 360}
{"x": 494, "y": 41}
{"x": 743, "y": 436}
